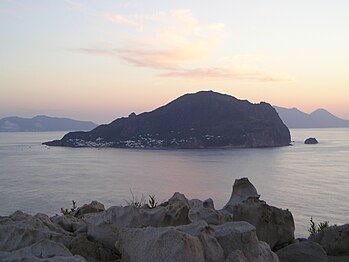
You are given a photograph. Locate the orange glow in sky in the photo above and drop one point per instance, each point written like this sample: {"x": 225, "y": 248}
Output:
{"x": 93, "y": 61}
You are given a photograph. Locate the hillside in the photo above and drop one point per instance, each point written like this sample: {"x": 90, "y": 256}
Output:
{"x": 202, "y": 120}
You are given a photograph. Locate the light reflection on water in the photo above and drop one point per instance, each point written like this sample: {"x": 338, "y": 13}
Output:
{"x": 309, "y": 180}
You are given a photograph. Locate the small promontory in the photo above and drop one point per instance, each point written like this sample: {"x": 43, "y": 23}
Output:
{"x": 204, "y": 119}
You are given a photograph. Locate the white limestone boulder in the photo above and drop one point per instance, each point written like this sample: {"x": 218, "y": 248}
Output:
{"x": 242, "y": 236}
{"x": 274, "y": 225}
{"x": 21, "y": 230}
{"x": 159, "y": 244}
{"x": 242, "y": 190}
{"x": 104, "y": 226}
{"x": 204, "y": 210}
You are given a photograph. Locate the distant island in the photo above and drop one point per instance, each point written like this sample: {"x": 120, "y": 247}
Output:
{"x": 42, "y": 124}
{"x": 202, "y": 120}
{"x": 320, "y": 118}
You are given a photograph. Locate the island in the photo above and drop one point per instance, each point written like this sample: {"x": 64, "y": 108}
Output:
{"x": 205, "y": 119}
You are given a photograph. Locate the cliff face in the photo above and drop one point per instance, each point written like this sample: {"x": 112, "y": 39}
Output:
{"x": 202, "y": 120}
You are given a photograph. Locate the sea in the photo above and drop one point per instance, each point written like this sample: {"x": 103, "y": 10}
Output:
{"x": 309, "y": 180}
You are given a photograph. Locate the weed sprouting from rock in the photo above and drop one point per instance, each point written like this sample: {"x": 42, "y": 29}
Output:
{"x": 152, "y": 202}
{"x": 140, "y": 202}
{"x": 135, "y": 201}
{"x": 69, "y": 212}
{"x": 316, "y": 228}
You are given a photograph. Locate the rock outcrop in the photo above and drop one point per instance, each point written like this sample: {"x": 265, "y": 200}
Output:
{"x": 185, "y": 243}
{"x": 303, "y": 251}
{"x": 311, "y": 141}
{"x": 334, "y": 240}
{"x": 246, "y": 229}
{"x": 242, "y": 236}
{"x": 93, "y": 207}
{"x": 202, "y": 120}
{"x": 38, "y": 238}
{"x": 274, "y": 225}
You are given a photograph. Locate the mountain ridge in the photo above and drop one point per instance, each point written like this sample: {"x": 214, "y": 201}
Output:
{"x": 319, "y": 118}
{"x": 43, "y": 123}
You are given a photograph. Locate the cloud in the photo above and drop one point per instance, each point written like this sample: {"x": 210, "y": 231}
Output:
{"x": 216, "y": 73}
{"x": 175, "y": 42}
{"x": 120, "y": 19}
{"x": 168, "y": 39}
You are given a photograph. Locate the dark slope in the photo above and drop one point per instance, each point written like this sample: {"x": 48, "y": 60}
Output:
{"x": 202, "y": 120}
{"x": 320, "y": 118}
{"x": 42, "y": 124}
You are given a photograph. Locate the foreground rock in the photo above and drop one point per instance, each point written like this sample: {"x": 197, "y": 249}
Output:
{"x": 37, "y": 238}
{"x": 185, "y": 243}
{"x": 104, "y": 226}
{"x": 242, "y": 236}
{"x": 311, "y": 141}
{"x": 246, "y": 229}
{"x": 274, "y": 225}
{"x": 334, "y": 239}
{"x": 44, "y": 250}
{"x": 307, "y": 251}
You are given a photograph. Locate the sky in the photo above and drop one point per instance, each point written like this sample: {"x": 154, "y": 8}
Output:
{"x": 100, "y": 60}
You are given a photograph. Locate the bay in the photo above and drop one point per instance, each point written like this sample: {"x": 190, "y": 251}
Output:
{"x": 309, "y": 180}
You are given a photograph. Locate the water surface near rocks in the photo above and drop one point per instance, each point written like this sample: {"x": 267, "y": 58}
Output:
{"x": 309, "y": 180}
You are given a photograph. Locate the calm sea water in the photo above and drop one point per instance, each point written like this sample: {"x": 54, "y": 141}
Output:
{"x": 309, "y": 180}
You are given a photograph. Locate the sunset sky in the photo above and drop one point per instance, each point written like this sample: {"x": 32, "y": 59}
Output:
{"x": 99, "y": 60}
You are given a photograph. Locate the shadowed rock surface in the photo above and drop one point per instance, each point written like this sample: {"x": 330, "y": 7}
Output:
{"x": 307, "y": 251}
{"x": 202, "y": 120}
{"x": 334, "y": 239}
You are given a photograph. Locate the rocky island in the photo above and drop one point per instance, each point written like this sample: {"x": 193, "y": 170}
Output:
{"x": 202, "y": 120}
{"x": 311, "y": 141}
{"x": 246, "y": 229}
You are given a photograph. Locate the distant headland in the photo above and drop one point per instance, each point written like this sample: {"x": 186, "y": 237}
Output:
{"x": 204, "y": 119}
{"x": 43, "y": 123}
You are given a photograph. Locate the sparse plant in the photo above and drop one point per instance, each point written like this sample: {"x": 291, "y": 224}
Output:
{"x": 134, "y": 201}
{"x": 316, "y": 228}
{"x": 152, "y": 202}
{"x": 69, "y": 212}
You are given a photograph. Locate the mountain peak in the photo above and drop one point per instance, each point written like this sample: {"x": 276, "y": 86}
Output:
{"x": 320, "y": 118}
{"x": 321, "y": 111}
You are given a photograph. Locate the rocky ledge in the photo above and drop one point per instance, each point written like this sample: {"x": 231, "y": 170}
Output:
{"x": 246, "y": 229}
{"x": 202, "y": 120}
